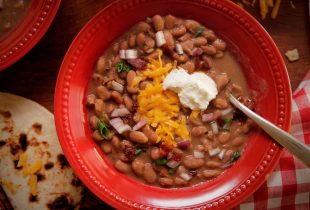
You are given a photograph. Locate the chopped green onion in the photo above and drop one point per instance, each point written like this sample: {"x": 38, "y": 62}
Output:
{"x": 172, "y": 170}
{"x": 161, "y": 161}
{"x": 122, "y": 66}
{"x": 198, "y": 31}
{"x": 235, "y": 157}
{"x": 228, "y": 120}
{"x": 138, "y": 151}
{"x": 103, "y": 129}
{"x": 226, "y": 126}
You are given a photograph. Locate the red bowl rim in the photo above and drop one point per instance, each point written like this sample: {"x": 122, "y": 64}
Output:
{"x": 28, "y": 32}
{"x": 241, "y": 192}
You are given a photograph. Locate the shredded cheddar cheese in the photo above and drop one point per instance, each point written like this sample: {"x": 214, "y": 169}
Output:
{"x": 33, "y": 182}
{"x": 9, "y": 185}
{"x": 160, "y": 107}
{"x": 22, "y": 160}
{"x": 34, "y": 168}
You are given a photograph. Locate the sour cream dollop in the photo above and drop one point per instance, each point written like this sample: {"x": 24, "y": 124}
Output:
{"x": 195, "y": 90}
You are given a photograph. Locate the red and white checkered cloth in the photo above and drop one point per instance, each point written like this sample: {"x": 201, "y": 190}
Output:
{"x": 288, "y": 187}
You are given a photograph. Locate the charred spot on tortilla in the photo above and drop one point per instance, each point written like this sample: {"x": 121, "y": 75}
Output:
{"x": 33, "y": 198}
{"x": 2, "y": 143}
{"x": 76, "y": 182}
{"x": 14, "y": 148}
{"x": 60, "y": 202}
{"x": 23, "y": 141}
{"x": 6, "y": 114}
{"x": 40, "y": 177}
{"x": 37, "y": 127}
{"x": 62, "y": 161}
{"x": 48, "y": 165}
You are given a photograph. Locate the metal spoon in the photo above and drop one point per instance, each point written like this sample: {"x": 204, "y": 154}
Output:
{"x": 300, "y": 150}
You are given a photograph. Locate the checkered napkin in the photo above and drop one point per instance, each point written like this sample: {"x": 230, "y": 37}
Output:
{"x": 288, "y": 187}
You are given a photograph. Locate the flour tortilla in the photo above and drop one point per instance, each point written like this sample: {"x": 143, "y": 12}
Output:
{"x": 58, "y": 187}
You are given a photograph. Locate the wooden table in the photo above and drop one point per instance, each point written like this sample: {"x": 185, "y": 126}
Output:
{"x": 34, "y": 76}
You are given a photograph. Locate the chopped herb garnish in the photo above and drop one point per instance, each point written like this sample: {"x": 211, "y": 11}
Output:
{"x": 122, "y": 66}
{"x": 228, "y": 120}
{"x": 172, "y": 170}
{"x": 103, "y": 129}
{"x": 235, "y": 156}
{"x": 198, "y": 31}
{"x": 226, "y": 126}
{"x": 161, "y": 161}
{"x": 138, "y": 151}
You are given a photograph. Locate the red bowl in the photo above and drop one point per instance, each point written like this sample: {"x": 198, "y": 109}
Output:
{"x": 28, "y": 32}
{"x": 262, "y": 65}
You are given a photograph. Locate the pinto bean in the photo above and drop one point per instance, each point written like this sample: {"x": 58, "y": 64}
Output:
{"x": 143, "y": 27}
{"x": 237, "y": 141}
{"x": 190, "y": 162}
{"x": 221, "y": 81}
{"x": 140, "y": 39}
{"x": 132, "y": 40}
{"x": 149, "y": 44}
{"x": 117, "y": 97}
{"x": 97, "y": 136}
{"x": 209, "y": 49}
{"x": 128, "y": 102}
{"x": 187, "y": 46}
{"x": 109, "y": 108}
{"x": 123, "y": 45}
{"x": 149, "y": 174}
{"x": 158, "y": 22}
{"x": 130, "y": 77}
{"x": 199, "y": 41}
{"x": 177, "y": 151}
{"x": 153, "y": 55}
{"x": 195, "y": 120}
{"x": 125, "y": 144}
{"x": 185, "y": 37}
{"x": 137, "y": 166}
{"x": 228, "y": 155}
{"x": 189, "y": 66}
{"x": 151, "y": 135}
{"x": 169, "y": 40}
{"x": 211, "y": 173}
{"x": 143, "y": 85}
{"x": 106, "y": 147}
{"x": 198, "y": 131}
{"x": 99, "y": 106}
{"x": 121, "y": 166}
{"x": 138, "y": 137}
{"x": 178, "y": 31}
{"x": 115, "y": 142}
{"x": 93, "y": 121}
{"x": 98, "y": 78}
{"x": 170, "y": 21}
{"x": 180, "y": 182}
{"x": 180, "y": 58}
{"x": 220, "y": 103}
{"x": 103, "y": 93}
{"x": 191, "y": 25}
{"x": 213, "y": 164}
{"x": 209, "y": 34}
{"x": 155, "y": 153}
{"x": 163, "y": 172}
{"x": 165, "y": 182}
{"x": 101, "y": 65}
{"x": 223, "y": 137}
{"x": 219, "y": 44}
{"x": 219, "y": 54}
{"x": 90, "y": 100}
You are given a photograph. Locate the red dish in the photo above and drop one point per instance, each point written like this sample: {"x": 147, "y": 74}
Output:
{"x": 26, "y": 34}
{"x": 262, "y": 65}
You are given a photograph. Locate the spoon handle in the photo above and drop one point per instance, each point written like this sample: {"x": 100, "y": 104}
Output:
{"x": 300, "y": 150}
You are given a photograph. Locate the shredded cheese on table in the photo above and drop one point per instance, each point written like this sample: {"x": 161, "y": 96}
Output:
{"x": 161, "y": 107}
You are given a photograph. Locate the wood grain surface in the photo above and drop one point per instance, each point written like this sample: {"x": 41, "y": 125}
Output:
{"x": 34, "y": 76}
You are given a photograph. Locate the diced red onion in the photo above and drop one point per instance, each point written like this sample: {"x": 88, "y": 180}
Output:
{"x": 140, "y": 124}
{"x": 117, "y": 86}
{"x": 179, "y": 49}
{"x": 222, "y": 154}
{"x": 226, "y": 165}
{"x": 184, "y": 144}
{"x": 197, "y": 51}
{"x": 122, "y": 54}
{"x": 207, "y": 117}
{"x": 119, "y": 126}
{"x": 226, "y": 111}
{"x": 198, "y": 154}
{"x": 120, "y": 112}
{"x": 160, "y": 38}
{"x": 214, "y": 127}
{"x": 186, "y": 176}
{"x": 173, "y": 163}
{"x": 131, "y": 54}
{"x": 213, "y": 152}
